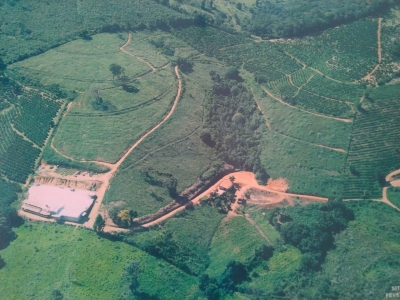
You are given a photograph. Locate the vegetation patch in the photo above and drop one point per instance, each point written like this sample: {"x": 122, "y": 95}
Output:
{"x": 41, "y": 245}
{"x": 187, "y": 249}
{"x": 235, "y": 240}
{"x": 374, "y": 151}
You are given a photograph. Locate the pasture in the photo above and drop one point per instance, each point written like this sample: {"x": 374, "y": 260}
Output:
{"x": 80, "y": 63}
{"x": 37, "y": 265}
{"x": 156, "y": 46}
{"x": 124, "y": 114}
{"x": 235, "y": 239}
{"x": 192, "y": 244}
{"x": 393, "y": 195}
{"x": 175, "y": 149}
{"x": 302, "y": 125}
{"x": 106, "y": 138}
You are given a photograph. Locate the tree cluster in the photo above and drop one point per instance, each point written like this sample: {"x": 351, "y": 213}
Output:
{"x": 123, "y": 217}
{"x": 233, "y": 125}
{"x": 273, "y": 19}
{"x": 234, "y": 274}
{"x": 8, "y": 214}
{"x": 221, "y": 202}
{"x": 314, "y": 239}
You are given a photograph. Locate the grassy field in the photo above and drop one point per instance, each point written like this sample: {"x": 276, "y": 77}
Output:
{"x": 130, "y": 112}
{"x": 119, "y": 100}
{"x": 304, "y": 126}
{"x": 393, "y": 195}
{"x": 308, "y": 168}
{"x": 175, "y": 148}
{"x": 37, "y": 264}
{"x": 78, "y": 64}
{"x": 144, "y": 45}
{"x": 108, "y": 137}
{"x": 200, "y": 225}
{"x": 258, "y": 215}
{"x": 235, "y": 239}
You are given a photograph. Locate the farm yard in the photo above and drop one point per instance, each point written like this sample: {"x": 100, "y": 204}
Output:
{"x": 152, "y": 116}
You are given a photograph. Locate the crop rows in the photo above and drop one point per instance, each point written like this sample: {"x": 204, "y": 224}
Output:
{"x": 282, "y": 87}
{"x": 259, "y": 58}
{"x": 374, "y": 146}
{"x": 208, "y": 39}
{"x": 17, "y": 156}
{"x": 318, "y": 104}
{"x": 347, "y": 53}
{"x": 328, "y": 88}
{"x": 301, "y": 76}
{"x": 35, "y": 115}
{"x": 7, "y": 135}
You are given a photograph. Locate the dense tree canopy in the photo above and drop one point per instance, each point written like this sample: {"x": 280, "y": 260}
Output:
{"x": 297, "y": 17}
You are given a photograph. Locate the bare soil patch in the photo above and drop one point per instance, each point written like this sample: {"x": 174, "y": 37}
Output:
{"x": 279, "y": 184}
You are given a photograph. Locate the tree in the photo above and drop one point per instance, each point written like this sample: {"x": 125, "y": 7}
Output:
{"x": 99, "y": 223}
{"x": 116, "y": 70}
{"x": 84, "y": 34}
{"x": 2, "y": 262}
{"x": 93, "y": 95}
{"x": 132, "y": 214}
{"x": 124, "y": 215}
{"x": 184, "y": 64}
{"x": 232, "y": 179}
{"x": 232, "y": 73}
{"x": 380, "y": 177}
{"x": 3, "y": 66}
{"x": 132, "y": 272}
{"x": 56, "y": 295}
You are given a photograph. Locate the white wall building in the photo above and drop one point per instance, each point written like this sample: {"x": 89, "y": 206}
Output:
{"x": 59, "y": 203}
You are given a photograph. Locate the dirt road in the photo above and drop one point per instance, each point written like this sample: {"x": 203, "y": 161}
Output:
{"x": 246, "y": 180}
{"x": 106, "y": 177}
{"x": 122, "y": 48}
{"x": 110, "y": 174}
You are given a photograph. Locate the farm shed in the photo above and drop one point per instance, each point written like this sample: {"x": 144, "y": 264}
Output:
{"x": 59, "y": 203}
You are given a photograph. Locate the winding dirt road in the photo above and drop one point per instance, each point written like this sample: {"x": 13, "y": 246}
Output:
{"x": 246, "y": 180}
{"x": 122, "y": 48}
{"x": 114, "y": 168}
{"x": 106, "y": 177}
